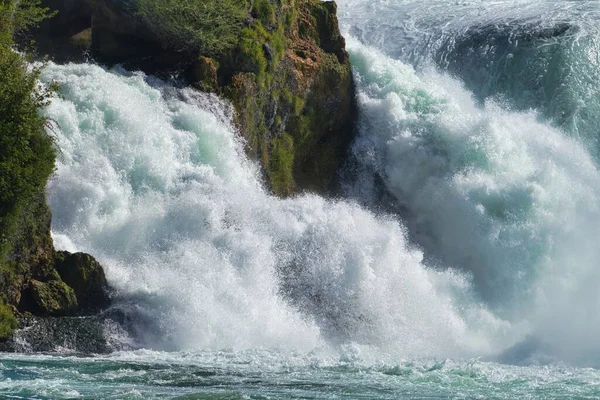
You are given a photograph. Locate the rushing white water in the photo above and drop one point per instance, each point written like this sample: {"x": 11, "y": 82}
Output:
{"x": 153, "y": 182}
{"x": 509, "y": 199}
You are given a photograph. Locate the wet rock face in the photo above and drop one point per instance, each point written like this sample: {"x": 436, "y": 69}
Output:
{"x": 85, "y": 275}
{"x": 75, "y": 334}
{"x": 330, "y": 37}
{"x": 298, "y": 112}
{"x": 65, "y": 36}
{"x": 126, "y": 327}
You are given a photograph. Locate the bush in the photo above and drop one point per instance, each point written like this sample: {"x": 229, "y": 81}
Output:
{"x": 8, "y": 322}
{"x": 264, "y": 11}
{"x": 206, "y": 26}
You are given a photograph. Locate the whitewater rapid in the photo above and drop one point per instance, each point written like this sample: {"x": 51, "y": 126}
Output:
{"x": 490, "y": 240}
{"x": 500, "y": 195}
{"x": 152, "y": 180}
{"x": 482, "y": 121}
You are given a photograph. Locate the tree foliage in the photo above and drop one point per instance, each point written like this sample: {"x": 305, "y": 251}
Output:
{"x": 27, "y": 153}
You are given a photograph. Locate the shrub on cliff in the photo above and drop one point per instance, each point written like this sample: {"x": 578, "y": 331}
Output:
{"x": 26, "y": 152}
{"x": 206, "y": 26}
{"x": 8, "y": 322}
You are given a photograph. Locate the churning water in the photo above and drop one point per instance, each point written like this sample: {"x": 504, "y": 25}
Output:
{"x": 461, "y": 261}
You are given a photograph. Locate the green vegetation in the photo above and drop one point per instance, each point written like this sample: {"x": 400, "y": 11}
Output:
{"x": 206, "y": 26}
{"x": 252, "y": 56}
{"x": 8, "y": 322}
{"x": 23, "y": 14}
{"x": 244, "y": 33}
{"x": 27, "y": 153}
{"x": 264, "y": 11}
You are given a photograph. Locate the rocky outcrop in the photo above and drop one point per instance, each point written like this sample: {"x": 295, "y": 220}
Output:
{"x": 298, "y": 115}
{"x": 74, "y": 285}
{"x": 48, "y": 298}
{"x": 37, "y": 280}
{"x": 85, "y": 275}
{"x": 31, "y": 251}
{"x": 287, "y": 72}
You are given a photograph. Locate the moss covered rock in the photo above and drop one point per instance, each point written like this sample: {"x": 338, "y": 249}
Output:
{"x": 204, "y": 74}
{"x": 297, "y": 113}
{"x": 49, "y": 298}
{"x": 85, "y": 275}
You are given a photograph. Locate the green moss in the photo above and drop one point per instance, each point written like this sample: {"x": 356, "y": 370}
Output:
{"x": 8, "y": 322}
{"x": 278, "y": 43}
{"x": 52, "y": 298}
{"x": 281, "y": 164}
{"x": 298, "y": 105}
{"x": 285, "y": 95}
{"x": 292, "y": 101}
{"x": 325, "y": 30}
{"x": 83, "y": 273}
{"x": 332, "y": 68}
{"x": 293, "y": 113}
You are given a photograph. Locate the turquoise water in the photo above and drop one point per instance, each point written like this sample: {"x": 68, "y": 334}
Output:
{"x": 267, "y": 375}
{"x": 460, "y": 261}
